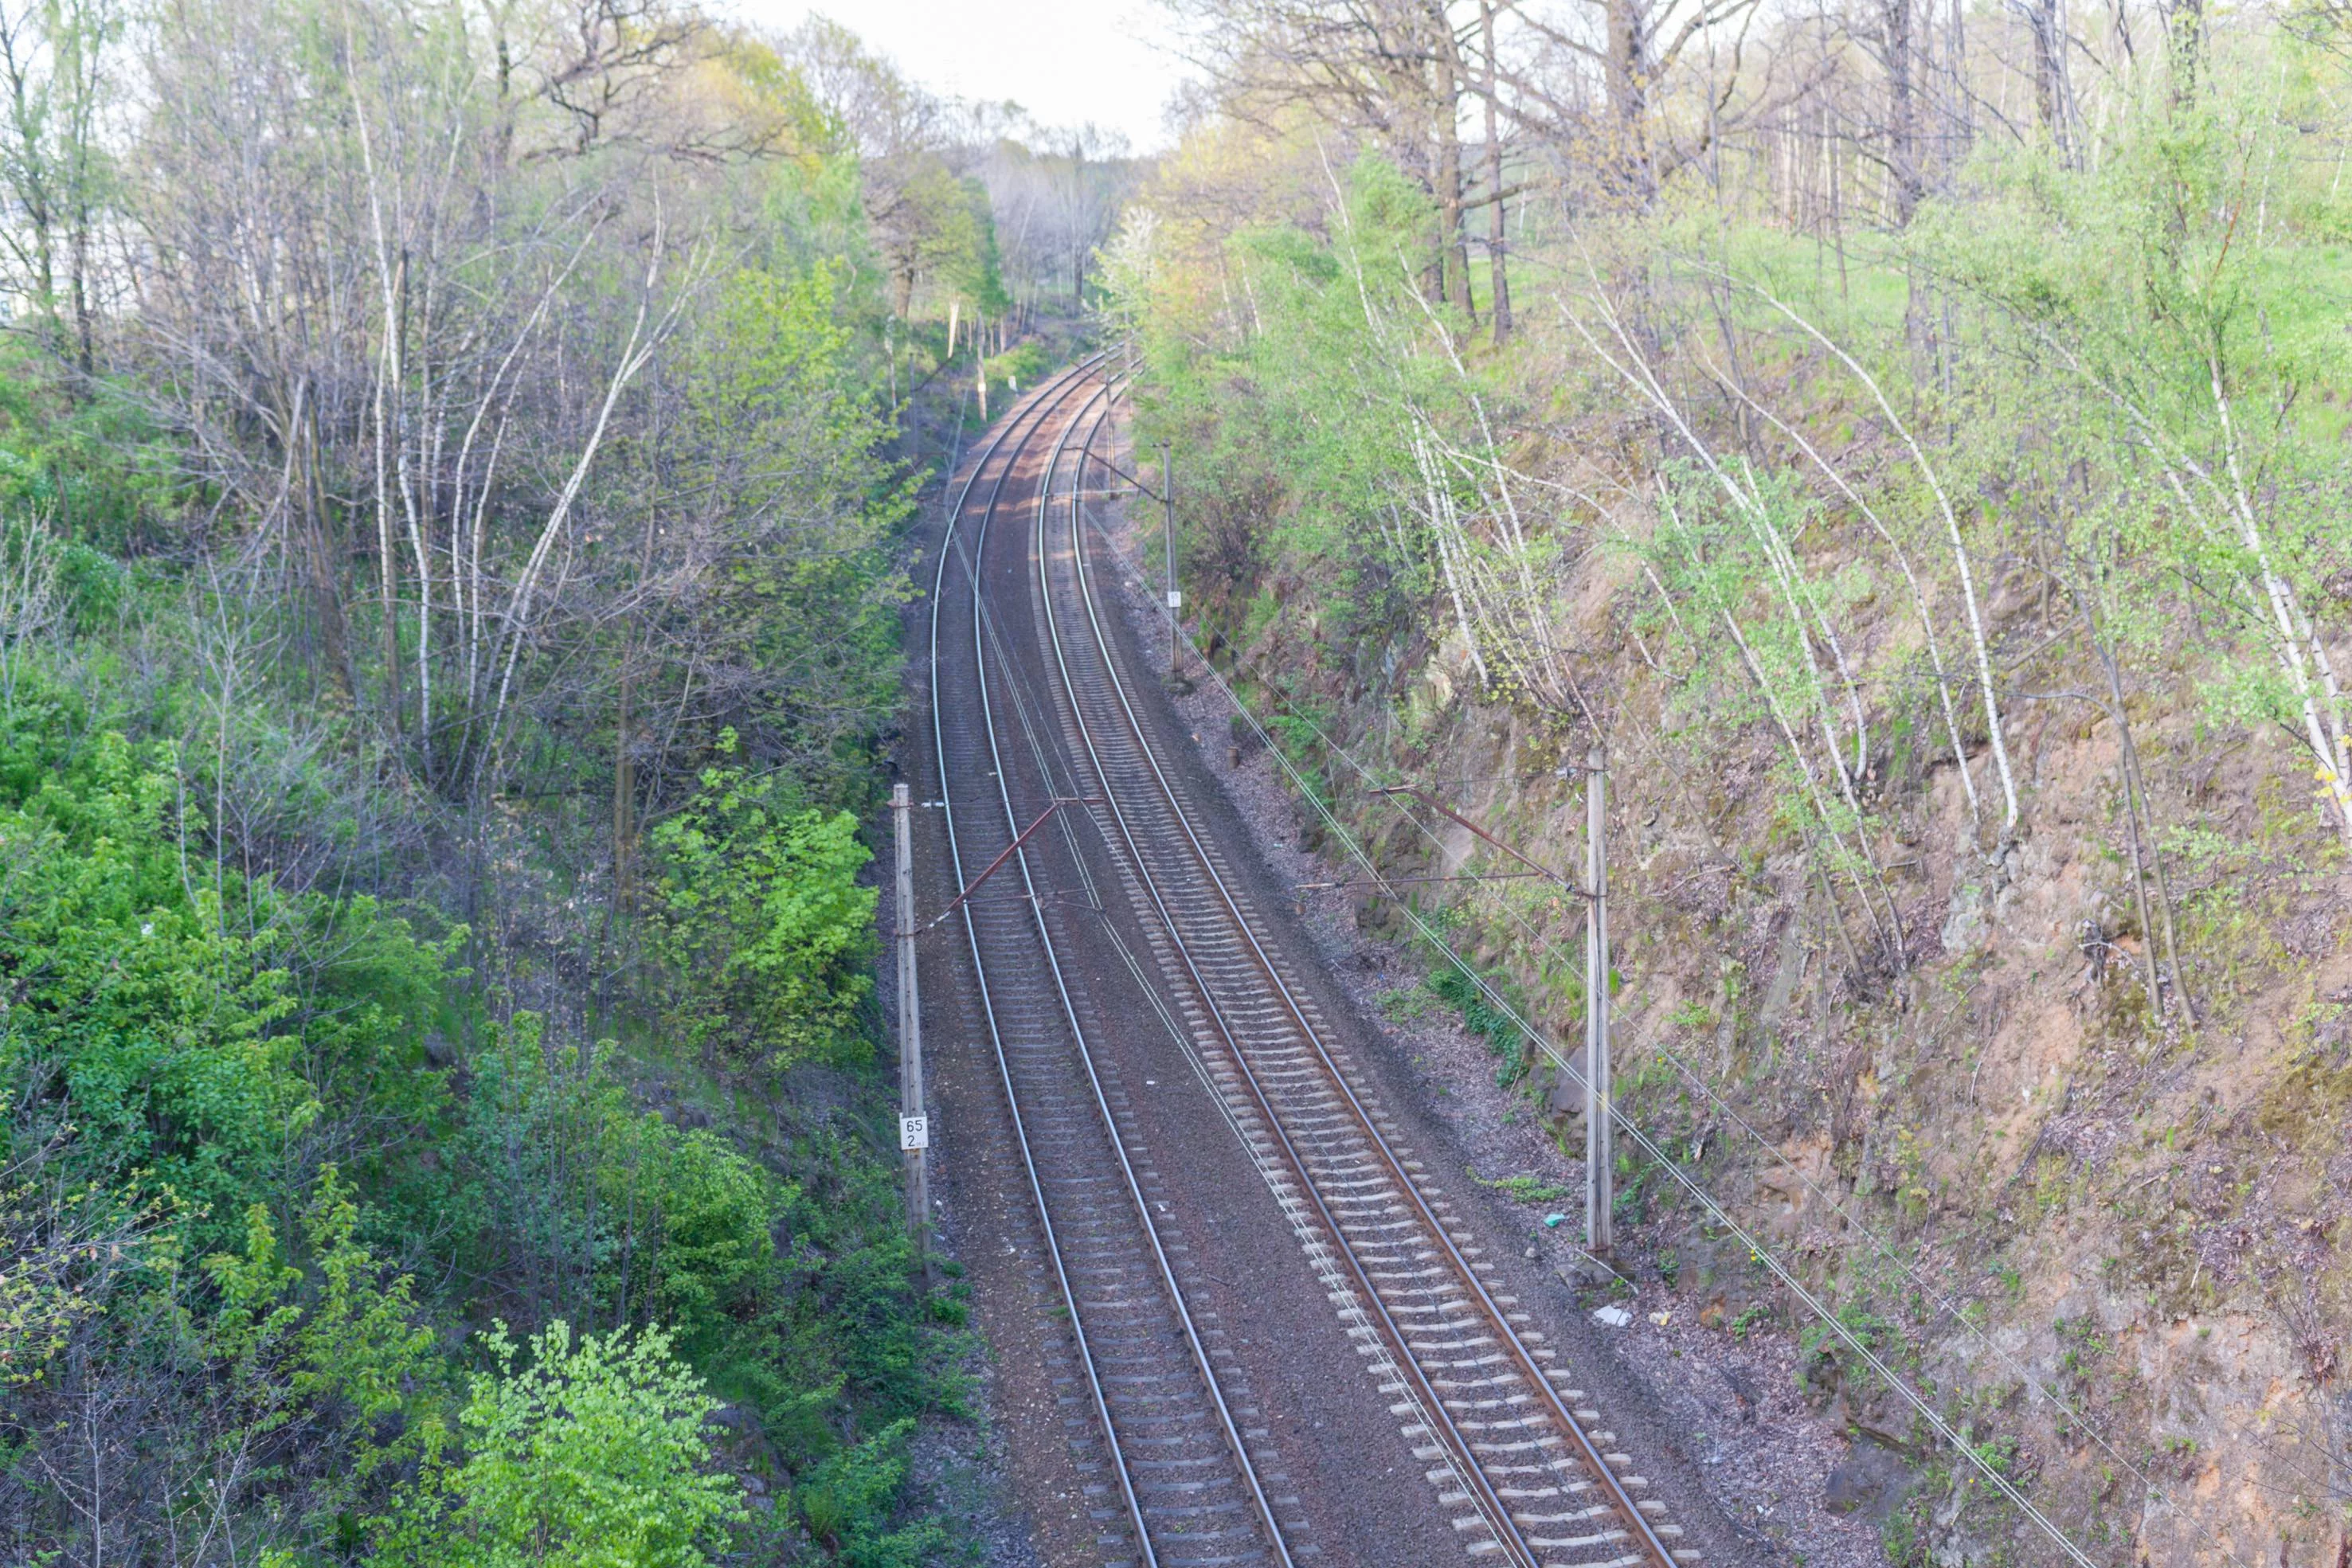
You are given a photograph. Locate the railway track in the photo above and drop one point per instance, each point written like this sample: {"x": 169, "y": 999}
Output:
{"x": 1181, "y": 1474}
{"x": 1033, "y": 706}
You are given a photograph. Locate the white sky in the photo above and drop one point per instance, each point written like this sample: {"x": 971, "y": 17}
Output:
{"x": 1065, "y": 61}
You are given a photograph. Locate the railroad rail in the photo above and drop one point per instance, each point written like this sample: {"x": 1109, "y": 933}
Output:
{"x": 1508, "y": 1442}
{"x": 1029, "y": 702}
{"x": 1184, "y": 1479}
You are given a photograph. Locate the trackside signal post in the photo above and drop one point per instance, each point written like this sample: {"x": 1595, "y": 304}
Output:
{"x": 1600, "y": 1146}
{"x": 914, "y": 1124}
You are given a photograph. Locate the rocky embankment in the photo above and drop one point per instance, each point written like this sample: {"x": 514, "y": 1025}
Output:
{"x": 2108, "y": 1244}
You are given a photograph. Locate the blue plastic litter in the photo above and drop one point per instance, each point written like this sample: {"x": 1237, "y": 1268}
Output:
{"x": 1551, "y": 1221}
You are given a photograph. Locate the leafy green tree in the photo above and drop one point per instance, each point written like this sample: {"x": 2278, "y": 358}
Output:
{"x": 703, "y": 1213}
{"x": 2196, "y": 338}
{"x": 326, "y": 1363}
{"x": 539, "y": 1132}
{"x": 796, "y": 621}
{"x": 263, "y": 1140}
{"x": 763, "y": 922}
{"x": 590, "y": 1452}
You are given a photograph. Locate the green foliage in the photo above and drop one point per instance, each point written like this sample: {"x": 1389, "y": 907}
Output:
{"x": 326, "y": 1336}
{"x": 764, "y": 922}
{"x": 138, "y": 1022}
{"x": 591, "y": 1452}
{"x": 847, "y": 1504}
{"x": 1824, "y": 1360}
{"x": 795, "y": 1303}
{"x": 708, "y": 1215}
{"x": 1524, "y": 1188}
{"x": 1408, "y": 1004}
{"x": 2185, "y": 358}
{"x": 1311, "y": 407}
{"x": 86, "y": 461}
{"x": 276, "y": 1123}
{"x": 859, "y": 1317}
{"x": 782, "y": 441}
{"x": 1482, "y": 1016}
{"x": 64, "y": 1249}
{"x": 1024, "y": 364}
{"x": 164, "y": 1063}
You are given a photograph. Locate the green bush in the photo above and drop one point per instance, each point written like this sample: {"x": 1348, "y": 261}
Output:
{"x": 763, "y": 923}
{"x": 847, "y": 1504}
{"x": 141, "y": 1033}
{"x": 593, "y": 1453}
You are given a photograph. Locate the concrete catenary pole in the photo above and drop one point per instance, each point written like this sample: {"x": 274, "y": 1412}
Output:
{"x": 914, "y": 1124}
{"x": 1600, "y": 1149}
{"x": 1175, "y": 594}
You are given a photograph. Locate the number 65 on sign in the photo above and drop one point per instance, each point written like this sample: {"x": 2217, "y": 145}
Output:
{"x": 913, "y": 1132}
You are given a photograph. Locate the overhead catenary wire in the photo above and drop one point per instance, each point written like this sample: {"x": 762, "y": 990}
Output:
{"x": 1028, "y": 1161}
{"x": 1756, "y": 1246}
{"x": 1944, "y": 1303}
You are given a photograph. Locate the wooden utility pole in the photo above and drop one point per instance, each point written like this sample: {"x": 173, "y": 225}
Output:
{"x": 1175, "y": 594}
{"x": 914, "y": 1125}
{"x": 1599, "y": 1151}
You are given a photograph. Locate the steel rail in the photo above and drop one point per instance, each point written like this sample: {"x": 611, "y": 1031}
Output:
{"x": 1077, "y": 1033}
{"x": 1463, "y": 1459}
{"x": 971, "y": 936}
{"x": 1042, "y": 406}
{"x": 1621, "y": 1501}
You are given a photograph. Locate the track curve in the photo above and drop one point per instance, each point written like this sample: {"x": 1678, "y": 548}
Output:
{"x": 1046, "y": 767}
{"x": 1191, "y": 1491}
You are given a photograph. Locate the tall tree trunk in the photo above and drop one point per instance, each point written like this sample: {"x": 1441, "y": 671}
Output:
{"x": 624, "y": 778}
{"x": 1903, "y": 162}
{"x": 2187, "y": 28}
{"x": 625, "y": 758}
{"x": 88, "y": 31}
{"x": 1629, "y": 93}
{"x": 2052, "y": 101}
{"x": 78, "y": 263}
{"x": 1453, "y": 243}
{"x": 1902, "y": 110}
{"x": 1497, "y": 228}
{"x": 29, "y": 184}
{"x": 334, "y": 642}
{"x": 388, "y": 379}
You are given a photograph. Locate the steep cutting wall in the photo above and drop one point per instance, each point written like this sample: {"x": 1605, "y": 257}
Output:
{"x": 2110, "y": 1245}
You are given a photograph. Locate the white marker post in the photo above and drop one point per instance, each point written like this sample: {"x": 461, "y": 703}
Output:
{"x": 914, "y": 1124}
{"x": 1600, "y": 1144}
